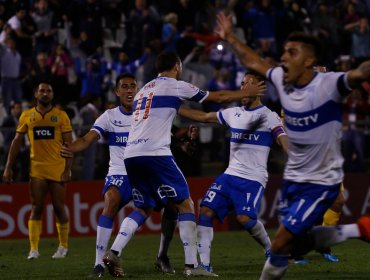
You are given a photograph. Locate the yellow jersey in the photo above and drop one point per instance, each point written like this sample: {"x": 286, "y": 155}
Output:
{"x": 45, "y": 135}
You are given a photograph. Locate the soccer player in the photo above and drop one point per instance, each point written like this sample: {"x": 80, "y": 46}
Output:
{"x": 153, "y": 173}
{"x": 241, "y": 187}
{"x": 311, "y": 101}
{"x": 114, "y": 124}
{"x": 47, "y": 128}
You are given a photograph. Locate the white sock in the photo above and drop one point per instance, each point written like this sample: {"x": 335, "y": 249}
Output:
{"x": 126, "y": 232}
{"x": 277, "y": 271}
{"x": 168, "y": 228}
{"x": 327, "y": 236}
{"x": 258, "y": 232}
{"x": 205, "y": 238}
{"x": 102, "y": 238}
{"x": 188, "y": 237}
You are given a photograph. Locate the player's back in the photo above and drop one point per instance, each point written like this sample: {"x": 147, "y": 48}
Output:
{"x": 155, "y": 107}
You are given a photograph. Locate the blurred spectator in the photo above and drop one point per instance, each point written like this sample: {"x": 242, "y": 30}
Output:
{"x": 185, "y": 9}
{"x": 122, "y": 64}
{"x": 89, "y": 113}
{"x": 60, "y": 62}
{"x": 10, "y": 61}
{"x": 170, "y": 35}
{"x": 150, "y": 72}
{"x": 45, "y": 27}
{"x": 355, "y": 113}
{"x": 6, "y": 32}
{"x": 9, "y": 126}
{"x": 38, "y": 72}
{"x": 360, "y": 38}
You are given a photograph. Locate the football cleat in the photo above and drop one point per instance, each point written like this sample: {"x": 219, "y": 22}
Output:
{"x": 60, "y": 253}
{"x": 33, "y": 254}
{"x": 209, "y": 268}
{"x": 298, "y": 260}
{"x": 97, "y": 272}
{"x": 113, "y": 263}
{"x": 330, "y": 257}
{"x": 199, "y": 271}
{"x": 163, "y": 264}
{"x": 363, "y": 224}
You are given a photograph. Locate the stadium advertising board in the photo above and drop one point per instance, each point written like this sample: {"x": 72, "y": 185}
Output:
{"x": 84, "y": 205}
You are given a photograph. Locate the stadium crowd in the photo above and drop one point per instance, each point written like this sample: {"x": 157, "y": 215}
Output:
{"x": 81, "y": 46}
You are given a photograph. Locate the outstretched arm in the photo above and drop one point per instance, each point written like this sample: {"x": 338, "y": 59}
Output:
{"x": 359, "y": 75}
{"x": 248, "y": 57}
{"x": 79, "y": 144}
{"x": 197, "y": 115}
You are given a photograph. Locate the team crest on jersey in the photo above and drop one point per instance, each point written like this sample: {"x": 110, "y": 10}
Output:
{"x": 214, "y": 186}
{"x": 54, "y": 119}
{"x": 137, "y": 196}
{"x": 32, "y": 117}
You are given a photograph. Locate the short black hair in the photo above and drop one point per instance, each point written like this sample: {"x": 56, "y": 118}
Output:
{"x": 124, "y": 75}
{"x": 166, "y": 61}
{"x": 43, "y": 81}
{"x": 309, "y": 40}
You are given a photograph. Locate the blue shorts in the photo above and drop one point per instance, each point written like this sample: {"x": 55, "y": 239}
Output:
{"x": 229, "y": 192}
{"x": 156, "y": 180}
{"x": 123, "y": 185}
{"x": 303, "y": 205}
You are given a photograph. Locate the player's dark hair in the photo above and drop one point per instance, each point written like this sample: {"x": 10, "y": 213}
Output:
{"x": 258, "y": 76}
{"x": 166, "y": 61}
{"x": 308, "y": 40}
{"x": 42, "y": 82}
{"x": 124, "y": 75}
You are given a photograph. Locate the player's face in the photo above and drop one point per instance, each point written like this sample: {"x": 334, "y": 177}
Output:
{"x": 295, "y": 61}
{"x": 247, "y": 101}
{"x": 44, "y": 94}
{"x": 126, "y": 91}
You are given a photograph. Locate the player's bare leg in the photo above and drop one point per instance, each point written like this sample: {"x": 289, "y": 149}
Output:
{"x": 168, "y": 226}
{"x": 58, "y": 194}
{"x": 38, "y": 190}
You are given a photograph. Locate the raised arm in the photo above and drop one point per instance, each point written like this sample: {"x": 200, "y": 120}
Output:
{"x": 359, "y": 75}
{"x": 197, "y": 115}
{"x": 248, "y": 57}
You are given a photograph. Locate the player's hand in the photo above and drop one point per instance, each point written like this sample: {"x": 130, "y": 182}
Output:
{"x": 254, "y": 89}
{"x": 8, "y": 176}
{"x": 193, "y": 133}
{"x": 66, "y": 151}
{"x": 66, "y": 176}
{"x": 224, "y": 26}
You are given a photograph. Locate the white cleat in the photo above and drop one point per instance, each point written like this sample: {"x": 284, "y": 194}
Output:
{"x": 197, "y": 272}
{"x": 61, "y": 253}
{"x": 33, "y": 254}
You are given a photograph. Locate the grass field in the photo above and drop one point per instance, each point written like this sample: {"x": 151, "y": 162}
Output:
{"x": 235, "y": 255}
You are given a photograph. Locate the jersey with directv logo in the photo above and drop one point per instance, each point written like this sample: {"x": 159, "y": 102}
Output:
{"x": 156, "y": 106}
{"x": 45, "y": 135}
{"x": 114, "y": 124}
{"x": 252, "y": 132}
{"x": 313, "y": 120}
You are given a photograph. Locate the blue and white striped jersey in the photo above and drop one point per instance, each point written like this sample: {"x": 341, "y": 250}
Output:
{"x": 313, "y": 120}
{"x": 252, "y": 132}
{"x": 156, "y": 106}
{"x": 114, "y": 124}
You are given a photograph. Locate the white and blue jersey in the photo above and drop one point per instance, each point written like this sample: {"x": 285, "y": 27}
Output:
{"x": 242, "y": 185}
{"x": 252, "y": 132}
{"x": 156, "y": 106}
{"x": 114, "y": 125}
{"x": 313, "y": 120}
{"x": 153, "y": 173}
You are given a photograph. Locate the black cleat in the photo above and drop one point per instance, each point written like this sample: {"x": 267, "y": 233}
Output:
{"x": 97, "y": 272}
{"x": 113, "y": 263}
{"x": 163, "y": 264}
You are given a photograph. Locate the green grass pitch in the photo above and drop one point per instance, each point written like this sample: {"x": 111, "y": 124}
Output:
{"x": 235, "y": 255}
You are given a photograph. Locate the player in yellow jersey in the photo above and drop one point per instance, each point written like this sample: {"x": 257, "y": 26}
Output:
{"x": 47, "y": 128}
